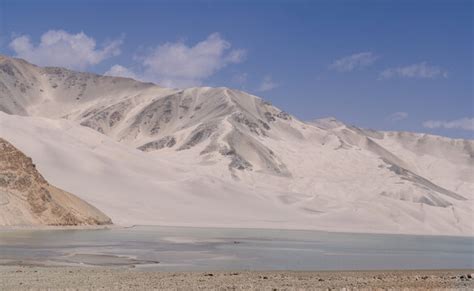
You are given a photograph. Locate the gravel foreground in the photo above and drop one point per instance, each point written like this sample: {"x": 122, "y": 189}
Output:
{"x": 76, "y": 278}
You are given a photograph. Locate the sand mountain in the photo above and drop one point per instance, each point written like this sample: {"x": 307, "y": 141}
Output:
{"x": 26, "y": 198}
{"x": 222, "y": 157}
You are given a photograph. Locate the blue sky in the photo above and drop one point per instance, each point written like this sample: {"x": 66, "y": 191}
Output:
{"x": 391, "y": 65}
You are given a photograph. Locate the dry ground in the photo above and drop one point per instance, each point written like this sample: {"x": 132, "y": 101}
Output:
{"x": 73, "y": 278}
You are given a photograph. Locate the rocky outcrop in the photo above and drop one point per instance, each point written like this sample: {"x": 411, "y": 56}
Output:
{"x": 26, "y": 198}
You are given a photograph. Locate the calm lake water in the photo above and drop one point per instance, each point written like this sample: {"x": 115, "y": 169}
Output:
{"x": 200, "y": 249}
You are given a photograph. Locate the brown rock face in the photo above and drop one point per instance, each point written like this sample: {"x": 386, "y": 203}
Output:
{"x": 26, "y": 198}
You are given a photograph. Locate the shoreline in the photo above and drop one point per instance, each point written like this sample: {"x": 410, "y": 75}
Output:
{"x": 83, "y": 278}
{"x": 60, "y": 227}
{"x": 117, "y": 226}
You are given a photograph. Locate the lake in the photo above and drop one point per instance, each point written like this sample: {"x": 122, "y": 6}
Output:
{"x": 203, "y": 249}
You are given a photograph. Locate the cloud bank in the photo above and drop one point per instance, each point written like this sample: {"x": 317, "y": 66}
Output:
{"x": 63, "y": 49}
{"x": 463, "y": 123}
{"x": 353, "y": 62}
{"x": 421, "y": 71}
{"x": 121, "y": 71}
{"x": 175, "y": 64}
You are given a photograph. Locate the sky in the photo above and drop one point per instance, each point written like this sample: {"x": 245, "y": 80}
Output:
{"x": 385, "y": 65}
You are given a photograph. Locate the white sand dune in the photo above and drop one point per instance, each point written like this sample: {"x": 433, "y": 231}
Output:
{"x": 144, "y": 154}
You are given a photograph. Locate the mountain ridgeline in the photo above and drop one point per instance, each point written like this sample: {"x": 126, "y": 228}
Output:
{"x": 322, "y": 174}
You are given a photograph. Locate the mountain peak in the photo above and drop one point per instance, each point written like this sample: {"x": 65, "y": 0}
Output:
{"x": 205, "y": 151}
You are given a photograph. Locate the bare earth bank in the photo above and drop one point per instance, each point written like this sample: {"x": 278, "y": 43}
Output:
{"x": 75, "y": 278}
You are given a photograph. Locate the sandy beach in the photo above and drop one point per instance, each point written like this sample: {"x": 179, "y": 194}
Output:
{"x": 77, "y": 278}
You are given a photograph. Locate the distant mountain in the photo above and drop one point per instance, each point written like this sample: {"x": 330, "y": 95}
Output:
{"x": 26, "y": 198}
{"x": 222, "y": 157}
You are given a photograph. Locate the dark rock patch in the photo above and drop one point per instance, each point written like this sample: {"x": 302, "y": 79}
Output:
{"x": 167, "y": 141}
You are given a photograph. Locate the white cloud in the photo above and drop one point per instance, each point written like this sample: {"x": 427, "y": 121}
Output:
{"x": 420, "y": 70}
{"x": 121, "y": 71}
{"x": 397, "y": 116}
{"x": 267, "y": 84}
{"x": 463, "y": 123}
{"x": 179, "y": 65}
{"x": 60, "y": 48}
{"x": 355, "y": 61}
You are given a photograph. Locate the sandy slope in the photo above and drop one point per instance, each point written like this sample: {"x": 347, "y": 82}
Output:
{"x": 222, "y": 157}
{"x": 143, "y": 188}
